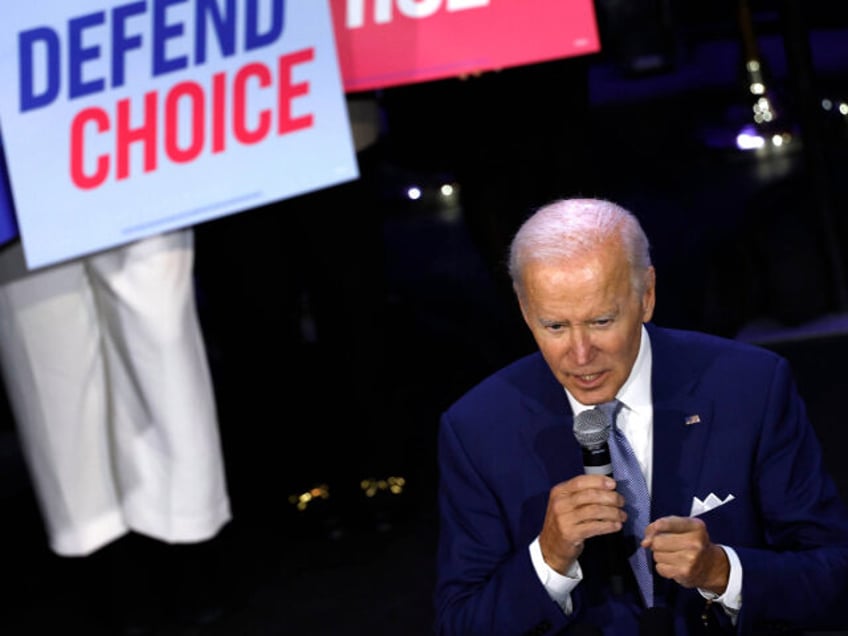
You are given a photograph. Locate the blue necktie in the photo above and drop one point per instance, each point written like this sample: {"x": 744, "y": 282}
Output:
{"x": 634, "y": 489}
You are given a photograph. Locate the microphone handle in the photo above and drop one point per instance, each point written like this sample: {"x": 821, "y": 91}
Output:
{"x": 597, "y": 461}
{"x": 612, "y": 545}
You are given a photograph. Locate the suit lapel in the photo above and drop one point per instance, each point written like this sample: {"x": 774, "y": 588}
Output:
{"x": 547, "y": 436}
{"x": 554, "y": 445}
{"x": 547, "y": 431}
{"x": 682, "y": 420}
{"x": 680, "y": 433}
{"x": 681, "y": 426}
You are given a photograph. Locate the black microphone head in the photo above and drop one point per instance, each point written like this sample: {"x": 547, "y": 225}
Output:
{"x": 591, "y": 428}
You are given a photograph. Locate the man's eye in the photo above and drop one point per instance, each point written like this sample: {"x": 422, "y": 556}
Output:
{"x": 603, "y": 322}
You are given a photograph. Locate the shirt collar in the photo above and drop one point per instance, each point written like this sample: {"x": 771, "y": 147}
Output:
{"x": 635, "y": 393}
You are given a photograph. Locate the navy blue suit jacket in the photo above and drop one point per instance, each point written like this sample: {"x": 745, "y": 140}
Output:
{"x": 504, "y": 444}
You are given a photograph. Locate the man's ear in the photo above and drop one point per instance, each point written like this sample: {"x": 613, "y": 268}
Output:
{"x": 649, "y": 297}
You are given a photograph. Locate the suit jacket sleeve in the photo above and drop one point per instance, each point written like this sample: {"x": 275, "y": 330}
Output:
{"x": 487, "y": 584}
{"x": 799, "y": 573}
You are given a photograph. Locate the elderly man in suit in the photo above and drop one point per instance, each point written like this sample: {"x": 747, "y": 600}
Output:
{"x": 744, "y": 530}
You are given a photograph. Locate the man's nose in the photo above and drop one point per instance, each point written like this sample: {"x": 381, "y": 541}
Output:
{"x": 581, "y": 346}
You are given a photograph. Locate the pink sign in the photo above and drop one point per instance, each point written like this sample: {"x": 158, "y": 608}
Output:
{"x": 383, "y": 43}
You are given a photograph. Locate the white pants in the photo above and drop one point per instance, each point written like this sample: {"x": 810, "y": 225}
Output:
{"x": 108, "y": 381}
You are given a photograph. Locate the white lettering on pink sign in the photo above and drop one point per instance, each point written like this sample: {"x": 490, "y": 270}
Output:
{"x": 382, "y": 9}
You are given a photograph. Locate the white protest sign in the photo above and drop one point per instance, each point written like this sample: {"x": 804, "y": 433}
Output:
{"x": 125, "y": 119}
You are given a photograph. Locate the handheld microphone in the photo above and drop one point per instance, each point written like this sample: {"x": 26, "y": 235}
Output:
{"x": 592, "y": 430}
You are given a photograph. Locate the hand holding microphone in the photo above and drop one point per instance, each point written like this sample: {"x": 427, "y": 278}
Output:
{"x": 592, "y": 431}
{"x": 578, "y": 509}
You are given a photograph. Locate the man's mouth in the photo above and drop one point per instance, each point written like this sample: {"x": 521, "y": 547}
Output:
{"x": 589, "y": 377}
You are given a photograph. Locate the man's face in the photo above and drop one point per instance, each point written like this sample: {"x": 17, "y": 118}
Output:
{"x": 586, "y": 318}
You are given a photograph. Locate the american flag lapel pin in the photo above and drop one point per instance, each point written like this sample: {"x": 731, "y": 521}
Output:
{"x": 692, "y": 419}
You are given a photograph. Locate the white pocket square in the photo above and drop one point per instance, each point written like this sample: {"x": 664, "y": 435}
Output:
{"x": 712, "y": 502}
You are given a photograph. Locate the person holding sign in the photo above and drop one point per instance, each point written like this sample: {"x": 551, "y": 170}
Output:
{"x": 108, "y": 382}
